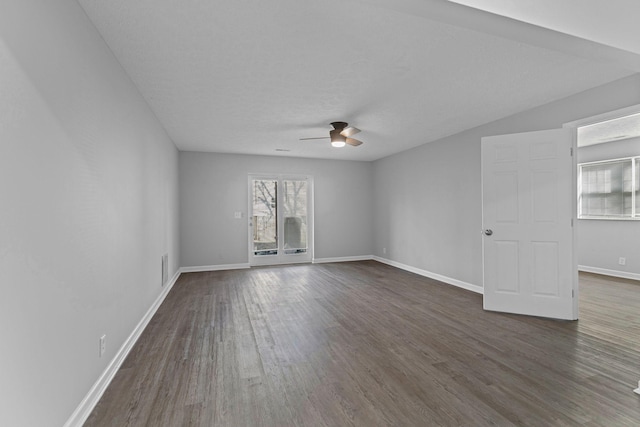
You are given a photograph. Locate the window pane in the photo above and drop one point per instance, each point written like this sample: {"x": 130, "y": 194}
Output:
{"x": 265, "y": 211}
{"x": 627, "y": 188}
{"x": 637, "y": 207}
{"x": 295, "y": 216}
{"x": 606, "y": 189}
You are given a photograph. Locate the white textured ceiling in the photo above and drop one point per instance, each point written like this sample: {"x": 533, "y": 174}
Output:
{"x": 248, "y": 76}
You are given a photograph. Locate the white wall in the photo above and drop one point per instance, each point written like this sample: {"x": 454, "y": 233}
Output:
{"x": 214, "y": 186}
{"x": 427, "y": 200}
{"x": 602, "y": 242}
{"x": 88, "y": 205}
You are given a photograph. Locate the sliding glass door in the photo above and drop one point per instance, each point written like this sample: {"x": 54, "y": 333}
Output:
{"x": 280, "y": 219}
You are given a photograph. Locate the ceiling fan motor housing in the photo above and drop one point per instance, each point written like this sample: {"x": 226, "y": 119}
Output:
{"x": 339, "y": 126}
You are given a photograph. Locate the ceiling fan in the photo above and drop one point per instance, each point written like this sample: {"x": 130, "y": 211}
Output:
{"x": 340, "y": 135}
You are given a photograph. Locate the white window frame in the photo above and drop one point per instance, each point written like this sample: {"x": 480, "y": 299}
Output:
{"x": 635, "y": 215}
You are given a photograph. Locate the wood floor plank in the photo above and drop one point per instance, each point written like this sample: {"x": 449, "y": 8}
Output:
{"x": 365, "y": 344}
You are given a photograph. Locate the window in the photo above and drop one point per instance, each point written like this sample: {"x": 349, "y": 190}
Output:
{"x": 609, "y": 189}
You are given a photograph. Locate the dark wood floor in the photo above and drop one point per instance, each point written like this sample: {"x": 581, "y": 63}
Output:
{"x": 366, "y": 344}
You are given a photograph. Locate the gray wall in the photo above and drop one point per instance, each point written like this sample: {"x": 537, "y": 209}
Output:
{"x": 602, "y": 242}
{"x": 427, "y": 204}
{"x": 214, "y": 186}
{"x": 88, "y": 195}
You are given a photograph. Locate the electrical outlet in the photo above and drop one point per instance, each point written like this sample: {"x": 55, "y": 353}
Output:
{"x": 103, "y": 344}
{"x": 237, "y": 214}
{"x": 384, "y": 251}
{"x": 622, "y": 260}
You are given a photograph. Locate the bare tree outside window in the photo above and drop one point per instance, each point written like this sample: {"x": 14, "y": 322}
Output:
{"x": 265, "y": 224}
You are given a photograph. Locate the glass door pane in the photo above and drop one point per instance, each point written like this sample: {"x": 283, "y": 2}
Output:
{"x": 636, "y": 198}
{"x": 265, "y": 217}
{"x": 295, "y": 216}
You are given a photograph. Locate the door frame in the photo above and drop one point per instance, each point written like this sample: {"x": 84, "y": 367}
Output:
{"x": 574, "y": 125}
{"x": 278, "y": 259}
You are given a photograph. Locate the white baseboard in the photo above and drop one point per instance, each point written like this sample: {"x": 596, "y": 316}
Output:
{"x": 342, "y": 259}
{"x": 638, "y": 389}
{"x": 435, "y": 276}
{"x": 606, "y": 272}
{"x": 201, "y": 268}
{"x": 83, "y": 410}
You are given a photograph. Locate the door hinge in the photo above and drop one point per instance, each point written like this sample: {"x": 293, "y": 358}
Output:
{"x": 572, "y": 222}
{"x": 571, "y": 151}
{"x": 573, "y": 293}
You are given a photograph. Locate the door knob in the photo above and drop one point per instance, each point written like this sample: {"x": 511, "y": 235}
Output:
{"x": 488, "y": 232}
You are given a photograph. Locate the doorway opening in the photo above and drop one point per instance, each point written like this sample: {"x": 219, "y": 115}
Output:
{"x": 608, "y": 193}
{"x": 607, "y": 229}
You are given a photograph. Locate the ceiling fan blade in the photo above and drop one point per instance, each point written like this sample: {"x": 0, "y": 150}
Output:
{"x": 349, "y": 131}
{"x": 320, "y": 137}
{"x": 353, "y": 142}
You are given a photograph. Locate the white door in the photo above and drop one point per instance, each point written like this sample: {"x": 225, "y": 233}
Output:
{"x": 280, "y": 219}
{"x": 528, "y": 205}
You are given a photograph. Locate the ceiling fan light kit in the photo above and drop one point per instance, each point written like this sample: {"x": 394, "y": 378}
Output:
{"x": 337, "y": 140}
{"x": 340, "y": 135}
